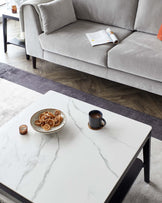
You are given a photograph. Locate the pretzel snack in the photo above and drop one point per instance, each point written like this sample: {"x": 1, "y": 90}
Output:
{"x": 47, "y": 120}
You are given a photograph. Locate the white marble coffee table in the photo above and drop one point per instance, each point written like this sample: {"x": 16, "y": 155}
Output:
{"x": 76, "y": 165}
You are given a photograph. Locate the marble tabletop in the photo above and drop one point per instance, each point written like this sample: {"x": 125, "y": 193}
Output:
{"x": 76, "y": 164}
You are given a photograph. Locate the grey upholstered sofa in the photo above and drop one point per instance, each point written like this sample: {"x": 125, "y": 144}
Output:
{"x": 136, "y": 61}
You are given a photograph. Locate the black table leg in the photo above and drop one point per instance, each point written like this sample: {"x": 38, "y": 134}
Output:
{"x": 146, "y": 159}
{"x": 5, "y": 33}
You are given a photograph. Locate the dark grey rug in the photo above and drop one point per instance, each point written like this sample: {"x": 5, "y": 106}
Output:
{"x": 43, "y": 85}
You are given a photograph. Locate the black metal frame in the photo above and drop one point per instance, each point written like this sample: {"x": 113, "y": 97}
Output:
{"x": 10, "y": 193}
{"x": 16, "y": 42}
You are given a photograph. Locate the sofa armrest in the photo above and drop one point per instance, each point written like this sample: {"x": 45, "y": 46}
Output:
{"x": 32, "y": 30}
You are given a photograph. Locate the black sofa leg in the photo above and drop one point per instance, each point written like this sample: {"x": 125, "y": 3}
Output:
{"x": 27, "y": 57}
{"x": 34, "y": 62}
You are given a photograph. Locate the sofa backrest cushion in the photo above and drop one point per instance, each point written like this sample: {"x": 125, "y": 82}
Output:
{"x": 149, "y": 16}
{"x": 120, "y": 13}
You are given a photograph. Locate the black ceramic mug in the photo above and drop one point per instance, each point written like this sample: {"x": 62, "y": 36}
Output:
{"x": 95, "y": 119}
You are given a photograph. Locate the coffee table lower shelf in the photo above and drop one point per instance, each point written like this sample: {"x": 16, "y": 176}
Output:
{"x": 16, "y": 42}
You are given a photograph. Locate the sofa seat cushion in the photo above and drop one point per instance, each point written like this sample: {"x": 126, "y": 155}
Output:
{"x": 71, "y": 41}
{"x": 139, "y": 54}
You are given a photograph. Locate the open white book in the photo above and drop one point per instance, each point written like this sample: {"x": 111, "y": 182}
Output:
{"x": 102, "y": 37}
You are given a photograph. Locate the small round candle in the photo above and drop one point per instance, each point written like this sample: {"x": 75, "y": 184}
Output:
{"x": 14, "y": 9}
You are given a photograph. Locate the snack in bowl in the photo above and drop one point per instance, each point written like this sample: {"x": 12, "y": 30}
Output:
{"x": 48, "y": 120}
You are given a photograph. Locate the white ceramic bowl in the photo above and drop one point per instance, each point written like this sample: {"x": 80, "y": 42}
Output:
{"x": 39, "y": 129}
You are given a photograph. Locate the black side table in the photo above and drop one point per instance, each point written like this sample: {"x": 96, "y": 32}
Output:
{"x": 14, "y": 41}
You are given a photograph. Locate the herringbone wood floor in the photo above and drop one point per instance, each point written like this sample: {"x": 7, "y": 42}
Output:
{"x": 122, "y": 94}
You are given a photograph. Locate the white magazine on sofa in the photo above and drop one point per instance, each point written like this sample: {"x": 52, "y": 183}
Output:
{"x": 102, "y": 37}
